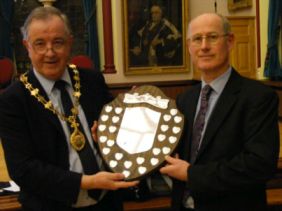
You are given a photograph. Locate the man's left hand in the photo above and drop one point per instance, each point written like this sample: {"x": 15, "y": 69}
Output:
{"x": 176, "y": 168}
{"x": 94, "y": 131}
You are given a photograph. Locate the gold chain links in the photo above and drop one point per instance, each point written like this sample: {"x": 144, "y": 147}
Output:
{"x": 48, "y": 104}
{"x": 77, "y": 138}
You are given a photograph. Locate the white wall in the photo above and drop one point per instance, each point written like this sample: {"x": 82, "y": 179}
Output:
{"x": 195, "y": 7}
{"x": 263, "y": 35}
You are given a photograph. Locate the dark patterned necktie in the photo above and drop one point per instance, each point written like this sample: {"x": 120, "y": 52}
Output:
{"x": 199, "y": 123}
{"x": 86, "y": 155}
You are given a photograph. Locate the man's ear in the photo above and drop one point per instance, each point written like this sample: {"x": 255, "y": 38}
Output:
{"x": 231, "y": 40}
{"x": 188, "y": 45}
{"x": 25, "y": 43}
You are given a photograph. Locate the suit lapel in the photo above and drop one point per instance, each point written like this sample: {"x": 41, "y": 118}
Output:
{"x": 222, "y": 109}
{"x": 49, "y": 115}
{"x": 190, "y": 113}
{"x": 83, "y": 100}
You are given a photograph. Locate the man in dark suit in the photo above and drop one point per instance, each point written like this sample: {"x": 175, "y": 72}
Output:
{"x": 44, "y": 142}
{"x": 236, "y": 138}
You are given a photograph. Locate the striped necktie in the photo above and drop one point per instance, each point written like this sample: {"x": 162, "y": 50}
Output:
{"x": 199, "y": 123}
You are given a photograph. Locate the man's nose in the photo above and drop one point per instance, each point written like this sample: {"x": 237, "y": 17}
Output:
{"x": 205, "y": 43}
{"x": 50, "y": 49}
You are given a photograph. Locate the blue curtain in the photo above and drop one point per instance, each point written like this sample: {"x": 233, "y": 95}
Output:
{"x": 6, "y": 14}
{"x": 272, "y": 64}
{"x": 92, "y": 47}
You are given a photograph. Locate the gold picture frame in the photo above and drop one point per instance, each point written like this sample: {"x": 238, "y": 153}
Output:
{"x": 141, "y": 53}
{"x": 239, "y": 4}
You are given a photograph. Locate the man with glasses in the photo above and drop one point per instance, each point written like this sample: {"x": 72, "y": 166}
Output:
{"x": 45, "y": 124}
{"x": 230, "y": 145}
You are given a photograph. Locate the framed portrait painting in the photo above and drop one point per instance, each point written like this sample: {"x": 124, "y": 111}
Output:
{"x": 154, "y": 33}
{"x": 238, "y": 4}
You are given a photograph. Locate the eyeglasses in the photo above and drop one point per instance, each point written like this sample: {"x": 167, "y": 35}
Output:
{"x": 41, "y": 47}
{"x": 212, "y": 38}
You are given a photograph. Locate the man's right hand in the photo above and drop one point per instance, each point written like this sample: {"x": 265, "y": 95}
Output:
{"x": 106, "y": 180}
{"x": 136, "y": 51}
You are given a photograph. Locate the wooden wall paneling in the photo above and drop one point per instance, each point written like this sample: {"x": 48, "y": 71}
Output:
{"x": 170, "y": 88}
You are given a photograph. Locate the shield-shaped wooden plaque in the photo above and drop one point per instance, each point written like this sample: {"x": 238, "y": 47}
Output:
{"x": 137, "y": 130}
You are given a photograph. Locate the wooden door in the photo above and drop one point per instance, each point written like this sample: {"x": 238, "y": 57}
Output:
{"x": 243, "y": 55}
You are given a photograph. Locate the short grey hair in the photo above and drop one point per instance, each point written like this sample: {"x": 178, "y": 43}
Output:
{"x": 43, "y": 13}
{"x": 226, "y": 26}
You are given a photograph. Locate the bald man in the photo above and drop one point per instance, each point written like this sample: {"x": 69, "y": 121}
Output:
{"x": 223, "y": 164}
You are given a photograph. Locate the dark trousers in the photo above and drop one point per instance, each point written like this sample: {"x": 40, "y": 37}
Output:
{"x": 186, "y": 209}
{"x": 107, "y": 203}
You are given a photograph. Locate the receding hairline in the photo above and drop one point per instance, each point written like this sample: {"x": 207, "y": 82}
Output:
{"x": 226, "y": 27}
{"x": 44, "y": 13}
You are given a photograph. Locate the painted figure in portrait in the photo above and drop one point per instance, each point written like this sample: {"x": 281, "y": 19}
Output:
{"x": 155, "y": 40}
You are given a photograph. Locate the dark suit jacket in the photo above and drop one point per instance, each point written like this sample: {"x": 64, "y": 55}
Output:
{"x": 34, "y": 142}
{"x": 239, "y": 151}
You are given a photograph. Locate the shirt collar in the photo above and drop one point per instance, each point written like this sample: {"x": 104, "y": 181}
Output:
{"x": 48, "y": 84}
{"x": 219, "y": 83}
